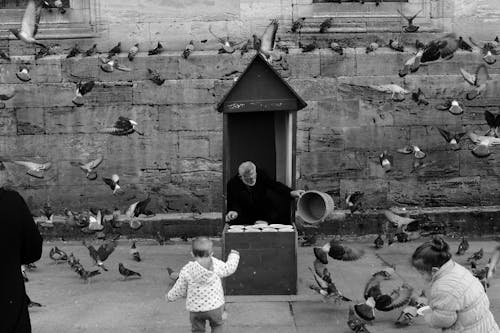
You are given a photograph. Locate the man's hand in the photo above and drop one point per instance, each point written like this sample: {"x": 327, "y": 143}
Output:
{"x": 231, "y": 215}
{"x": 297, "y": 193}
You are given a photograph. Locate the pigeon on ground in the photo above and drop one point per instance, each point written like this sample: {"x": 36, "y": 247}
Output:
{"x": 115, "y": 50}
{"x": 325, "y": 25}
{"x": 451, "y": 106}
{"x": 90, "y": 52}
{"x": 483, "y": 143}
{"x": 408, "y": 149}
{"x": 113, "y": 182}
{"x": 479, "y": 81}
{"x": 463, "y": 45}
{"x": 494, "y": 123}
{"x": 155, "y": 76}
{"x": 34, "y": 169}
{"x": 135, "y": 253}
{"x": 7, "y": 93}
{"x": 386, "y": 161}
{"x": 157, "y": 50}
{"x": 30, "y": 22}
{"x": 463, "y": 246}
{"x": 410, "y": 27}
{"x": 86, "y": 275}
{"x": 4, "y": 55}
{"x": 419, "y": 97}
{"x": 476, "y": 256}
{"x": 188, "y": 49}
{"x": 481, "y": 274}
{"x": 355, "y": 324}
{"x": 489, "y": 49}
{"x": 328, "y": 290}
{"x": 82, "y": 88}
{"x": 89, "y": 168}
{"x": 353, "y": 201}
{"x": 371, "y": 47}
{"x": 23, "y": 74}
{"x": 32, "y": 304}
{"x": 75, "y": 50}
{"x": 419, "y": 154}
{"x": 308, "y": 47}
{"x": 102, "y": 253}
{"x": 337, "y": 251}
{"x": 298, "y": 24}
{"x": 379, "y": 242}
{"x": 57, "y": 255}
{"x": 452, "y": 139}
{"x": 123, "y": 126}
{"x": 126, "y": 273}
{"x": 396, "y": 45}
{"x": 133, "y": 52}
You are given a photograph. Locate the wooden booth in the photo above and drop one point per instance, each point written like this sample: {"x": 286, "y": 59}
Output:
{"x": 260, "y": 125}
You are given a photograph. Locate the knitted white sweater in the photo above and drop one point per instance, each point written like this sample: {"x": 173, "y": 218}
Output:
{"x": 202, "y": 287}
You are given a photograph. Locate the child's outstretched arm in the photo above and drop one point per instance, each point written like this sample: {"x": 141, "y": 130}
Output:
{"x": 229, "y": 267}
{"x": 179, "y": 289}
{"x": 443, "y": 312}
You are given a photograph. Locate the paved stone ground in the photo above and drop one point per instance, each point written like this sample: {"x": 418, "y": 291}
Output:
{"x": 109, "y": 304}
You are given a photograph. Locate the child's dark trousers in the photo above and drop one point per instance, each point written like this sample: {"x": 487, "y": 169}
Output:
{"x": 214, "y": 317}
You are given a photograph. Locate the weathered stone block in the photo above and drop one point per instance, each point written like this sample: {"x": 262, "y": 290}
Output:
{"x": 44, "y": 71}
{"x": 314, "y": 89}
{"x": 375, "y": 191}
{"x": 8, "y": 123}
{"x": 30, "y": 121}
{"x": 442, "y": 86}
{"x": 174, "y": 92}
{"x": 490, "y": 191}
{"x": 379, "y": 114}
{"x": 339, "y": 164}
{"x": 412, "y": 114}
{"x": 335, "y": 65}
{"x": 46, "y": 95}
{"x": 210, "y": 65}
{"x": 308, "y": 116}
{"x": 334, "y": 113}
{"x": 84, "y": 68}
{"x": 326, "y": 139}
{"x": 194, "y": 144}
{"x": 303, "y": 140}
{"x": 428, "y": 137}
{"x": 110, "y": 93}
{"x": 304, "y": 65}
{"x": 370, "y": 64}
{"x": 189, "y": 117}
{"x": 216, "y": 145}
{"x": 471, "y": 165}
{"x": 373, "y": 138}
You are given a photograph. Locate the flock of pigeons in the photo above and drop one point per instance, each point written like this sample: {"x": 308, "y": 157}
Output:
{"x": 375, "y": 297}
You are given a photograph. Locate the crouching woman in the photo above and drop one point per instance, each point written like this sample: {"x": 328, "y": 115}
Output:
{"x": 457, "y": 300}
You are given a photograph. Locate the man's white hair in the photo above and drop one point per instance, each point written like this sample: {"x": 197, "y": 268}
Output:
{"x": 246, "y": 167}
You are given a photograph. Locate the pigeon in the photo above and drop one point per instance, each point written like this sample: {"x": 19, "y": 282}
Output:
{"x": 412, "y": 64}
{"x": 48, "y": 212}
{"x": 353, "y": 201}
{"x": 256, "y": 42}
{"x": 371, "y": 47}
{"x": 410, "y": 27}
{"x": 95, "y": 223}
{"x": 227, "y": 45}
{"x": 172, "y": 274}
{"x": 7, "y": 93}
{"x": 336, "y": 47}
{"x": 396, "y": 45}
{"x": 307, "y": 48}
{"x": 478, "y": 80}
{"x": 365, "y": 311}
{"x": 135, "y": 253}
{"x": 115, "y": 50}
{"x": 386, "y": 302}
{"x": 75, "y": 50}
{"x": 245, "y": 48}
{"x": 126, "y": 273}
{"x": 55, "y": 4}
{"x": 405, "y": 150}
{"x": 155, "y": 76}
{"x": 493, "y": 262}
{"x": 86, "y": 275}
{"x": 159, "y": 238}
{"x": 451, "y": 106}
{"x": 32, "y": 304}
{"x": 25, "y": 275}
{"x": 355, "y": 324}
{"x": 327, "y": 289}
{"x": 440, "y": 49}
{"x": 188, "y": 49}
{"x": 325, "y": 25}
{"x": 113, "y": 182}
{"x": 111, "y": 64}
{"x": 419, "y": 97}
{"x": 481, "y": 274}
{"x": 399, "y": 222}
{"x": 494, "y": 123}
{"x": 418, "y": 153}
{"x": 157, "y": 50}
{"x": 30, "y": 22}
{"x": 489, "y": 49}
{"x": 123, "y": 126}
{"x": 322, "y": 271}
{"x": 397, "y": 92}
{"x": 34, "y": 169}
{"x": 476, "y": 256}
{"x": 102, "y": 253}
{"x": 406, "y": 317}
{"x": 4, "y": 55}
{"x": 133, "y": 52}
{"x": 386, "y": 161}
{"x": 89, "y": 168}
{"x": 138, "y": 208}
{"x": 298, "y": 24}
{"x": 379, "y": 242}
{"x": 419, "y": 45}
{"x": 31, "y": 267}
{"x": 57, "y": 255}
{"x": 82, "y": 88}
{"x": 90, "y": 52}
{"x": 452, "y": 139}
{"x": 463, "y": 246}
{"x": 483, "y": 143}
{"x": 268, "y": 38}
{"x": 464, "y": 45}
{"x": 23, "y": 74}
{"x": 378, "y": 2}
{"x": 337, "y": 251}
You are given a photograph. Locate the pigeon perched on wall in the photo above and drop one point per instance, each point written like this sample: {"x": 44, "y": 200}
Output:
{"x": 451, "y": 106}
{"x": 157, "y": 50}
{"x": 135, "y": 253}
{"x": 115, "y": 50}
{"x": 74, "y": 51}
{"x": 463, "y": 246}
{"x": 386, "y": 161}
{"x": 325, "y": 25}
{"x": 396, "y": 45}
{"x": 89, "y": 168}
{"x": 410, "y": 27}
{"x": 372, "y": 47}
{"x": 133, "y": 52}
{"x": 127, "y": 273}
{"x": 336, "y": 47}
{"x": 82, "y": 88}
{"x": 479, "y": 81}
{"x": 188, "y": 49}
{"x": 489, "y": 49}
{"x": 419, "y": 97}
{"x": 123, "y": 126}
{"x": 483, "y": 143}
{"x": 111, "y": 64}
{"x": 90, "y": 52}
{"x": 30, "y": 22}
{"x": 23, "y": 74}
{"x": 155, "y": 76}
{"x": 307, "y": 47}
{"x": 298, "y": 24}
{"x": 95, "y": 223}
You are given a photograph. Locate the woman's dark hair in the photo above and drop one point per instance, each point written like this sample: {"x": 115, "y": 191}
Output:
{"x": 434, "y": 253}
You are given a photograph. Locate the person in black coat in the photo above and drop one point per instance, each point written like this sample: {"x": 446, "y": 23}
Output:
{"x": 21, "y": 244}
{"x": 252, "y": 195}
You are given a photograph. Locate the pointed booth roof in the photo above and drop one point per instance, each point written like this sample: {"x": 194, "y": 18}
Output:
{"x": 260, "y": 88}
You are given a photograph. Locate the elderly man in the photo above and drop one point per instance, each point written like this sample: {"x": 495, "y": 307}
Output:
{"x": 21, "y": 244}
{"x": 251, "y": 196}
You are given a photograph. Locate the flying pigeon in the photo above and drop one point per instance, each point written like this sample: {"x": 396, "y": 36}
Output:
{"x": 135, "y": 253}
{"x": 419, "y": 97}
{"x": 133, "y": 52}
{"x": 325, "y": 25}
{"x": 399, "y": 222}
{"x": 463, "y": 246}
{"x": 126, "y": 273}
{"x": 355, "y": 324}
{"x": 452, "y": 139}
{"x": 412, "y": 64}
{"x": 227, "y": 45}
{"x": 479, "y": 80}
{"x": 34, "y": 169}
{"x": 89, "y": 168}
{"x": 327, "y": 289}
{"x": 476, "y": 255}
{"x": 23, "y": 74}
{"x": 379, "y": 242}
{"x": 91, "y": 51}
{"x": 138, "y": 208}
{"x": 386, "y": 161}
{"x": 268, "y": 38}
{"x": 298, "y": 24}
{"x": 371, "y": 47}
{"x": 396, "y": 45}
{"x": 483, "y": 143}
{"x": 113, "y": 183}
{"x": 102, "y": 253}
{"x": 410, "y": 27}
{"x": 95, "y": 223}
{"x": 7, "y": 93}
{"x": 188, "y": 49}
{"x": 155, "y": 76}
{"x": 464, "y": 45}
{"x": 392, "y": 89}
{"x": 75, "y": 50}
{"x": 115, "y": 50}
{"x": 451, "y": 106}
{"x": 439, "y": 49}
{"x": 353, "y": 201}
{"x": 494, "y": 123}
{"x": 336, "y": 47}
{"x": 123, "y": 126}
{"x": 488, "y": 48}
{"x": 157, "y": 50}
{"x": 337, "y": 251}
{"x": 30, "y": 22}
{"x": 82, "y": 88}
{"x": 4, "y": 55}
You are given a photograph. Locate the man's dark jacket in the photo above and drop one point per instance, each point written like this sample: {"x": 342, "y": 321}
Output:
{"x": 21, "y": 243}
{"x": 267, "y": 200}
